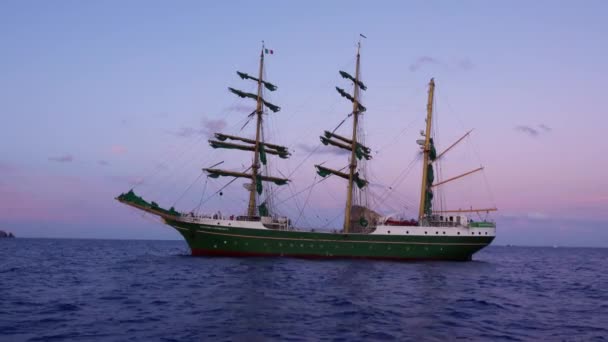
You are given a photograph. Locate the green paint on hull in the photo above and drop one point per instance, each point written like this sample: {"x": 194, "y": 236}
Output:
{"x": 230, "y": 241}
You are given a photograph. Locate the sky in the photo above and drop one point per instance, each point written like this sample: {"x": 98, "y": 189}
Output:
{"x": 100, "y": 97}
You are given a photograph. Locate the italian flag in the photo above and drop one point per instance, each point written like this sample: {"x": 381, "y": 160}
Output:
{"x": 267, "y": 51}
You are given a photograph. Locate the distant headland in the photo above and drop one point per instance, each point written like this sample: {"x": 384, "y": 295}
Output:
{"x": 4, "y": 234}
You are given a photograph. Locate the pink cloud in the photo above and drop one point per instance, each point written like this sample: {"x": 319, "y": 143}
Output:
{"x": 66, "y": 158}
{"x": 118, "y": 149}
{"x": 35, "y": 196}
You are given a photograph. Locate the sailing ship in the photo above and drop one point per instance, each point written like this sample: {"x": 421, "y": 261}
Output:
{"x": 435, "y": 235}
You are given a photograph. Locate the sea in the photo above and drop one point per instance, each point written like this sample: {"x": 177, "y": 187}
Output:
{"x": 120, "y": 290}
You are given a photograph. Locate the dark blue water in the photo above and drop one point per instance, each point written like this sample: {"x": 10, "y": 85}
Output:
{"x": 91, "y": 290}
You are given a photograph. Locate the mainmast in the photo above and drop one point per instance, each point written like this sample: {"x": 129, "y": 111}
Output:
{"x": 256, "y": 163}
{"x": 429, "y": 154}
{"x": 353, "y": 160}
{"x": 357, "y": 150}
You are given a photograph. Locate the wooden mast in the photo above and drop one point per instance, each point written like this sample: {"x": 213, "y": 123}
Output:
{"x": 353, "y": 159}
{"x": 427, "y": 148}
{"x": 251, "y": 209}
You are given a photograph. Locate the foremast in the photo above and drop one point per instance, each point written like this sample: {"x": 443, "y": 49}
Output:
{"x": 259, "y": 148}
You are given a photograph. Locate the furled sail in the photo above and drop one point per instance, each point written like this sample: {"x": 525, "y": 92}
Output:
{"x": 324, "y": 172}
{"x": 344, "y": 74}
{"x": 430, "y": 178}
{"x": 267, "y": 85}
{"x": 278, "y": 148}
{"x": 222, "y": 144}
{"x": 361, "y": 151}
{"x": 360, "y": 107}
{"x": 243, "y": 94}
{"x": 215, "y": 173}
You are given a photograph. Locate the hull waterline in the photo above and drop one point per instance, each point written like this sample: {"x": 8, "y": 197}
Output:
{"x": 206, "y": 240}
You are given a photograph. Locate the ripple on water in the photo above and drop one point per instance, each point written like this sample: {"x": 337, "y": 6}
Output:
{"x": 57, "y": 290}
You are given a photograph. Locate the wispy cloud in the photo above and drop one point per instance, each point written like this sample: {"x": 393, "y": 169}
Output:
{"x": 462, "y": 64}
{"x": 533, "y": 131}
{"x": 465, "y": 64}
{"x": 131, "y": 180}
{"x": 527, "y": 130}
{"x": 212, "y": 126}
{"x": 240, "y": 108}
{"x": 207, "y": 128}
{"x": 66, "y": 158}
{"x": 422, "y": 61}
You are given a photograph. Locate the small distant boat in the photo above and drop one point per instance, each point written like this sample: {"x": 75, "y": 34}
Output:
{"x": 434, "y": 235}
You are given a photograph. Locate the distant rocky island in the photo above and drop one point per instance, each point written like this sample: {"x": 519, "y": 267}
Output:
{"x": 4, "y": 234}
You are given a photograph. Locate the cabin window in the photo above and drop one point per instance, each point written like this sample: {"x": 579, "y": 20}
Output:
{"x": 451, "y": 218}
{"x": 440, "y": 218}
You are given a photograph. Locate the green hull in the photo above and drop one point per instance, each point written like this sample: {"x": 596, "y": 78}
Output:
{"x": 230, "y": 241}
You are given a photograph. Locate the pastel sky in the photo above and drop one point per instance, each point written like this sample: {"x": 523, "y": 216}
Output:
{"x": 99, "y": 97}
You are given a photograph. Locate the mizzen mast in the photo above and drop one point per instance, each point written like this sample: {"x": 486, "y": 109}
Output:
{"x": 429, "y": 155}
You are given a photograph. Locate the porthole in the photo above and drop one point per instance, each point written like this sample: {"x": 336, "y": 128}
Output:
{"x": 486, "y": 233}
{"x": 436, "y": 233}
{"x": 424, "y": 233}
{"x": 218, "y": 223}
{"x": 443, "y": 233}
{"x": 407, "y": 232}
{"x": 458, "y": 233}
